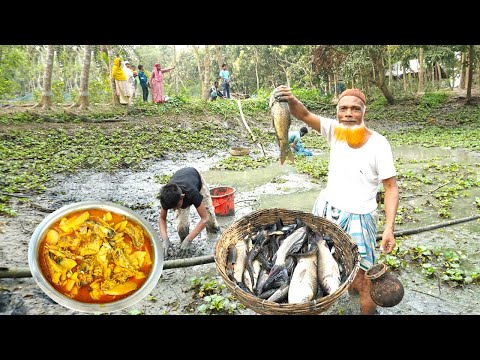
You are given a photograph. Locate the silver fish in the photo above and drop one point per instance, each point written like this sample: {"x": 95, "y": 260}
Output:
{"x": 280, "y": 294}
{"x": 261, "y": 279}
{"x": 291, "y": 244}
{"x": 303, "y": 285}
{"x": 250, "y": 280}
{"x": 241, "y": 260}
{"x": 328, "y": 271}
{"x": 247, "y": 281}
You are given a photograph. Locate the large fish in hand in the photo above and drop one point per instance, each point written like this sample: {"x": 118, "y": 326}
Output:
{"x": 281, "y": 123}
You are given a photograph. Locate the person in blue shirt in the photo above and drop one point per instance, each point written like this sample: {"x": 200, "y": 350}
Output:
{"x": 225, "y": 77}
{"x": 143, "y": 81}
{"x": 296, "y": 144}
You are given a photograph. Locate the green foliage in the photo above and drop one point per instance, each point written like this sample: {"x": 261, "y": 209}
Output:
{"x": 378, "y": 104}
{"x": 312, "y": 99}
{"x": 136, "y": 312}
{"x": 448, "y": 265}
{"x": 432, "y": 100}
{"x": 28, "y": 158}
{"x": 313, "y": 166}
{"x": 313, "y": 141}
{"x": 17, "y": 117}
{"x": 57, "y": 92}
{"x": 218, "y": 304}
{"x": 11, "y": 59}
{"x": 237, "y": 163}
{"x": 216, "y": 299}
{"x": 437, "y": 136}
{"x": 4, "y": 209}
{"x": 394, "y": 260}
{"x": 162, "y": 179}
{"x": 99, "y": 90}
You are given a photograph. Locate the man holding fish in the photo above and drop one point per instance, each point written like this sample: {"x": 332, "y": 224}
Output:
{"x": 360, "y": 159}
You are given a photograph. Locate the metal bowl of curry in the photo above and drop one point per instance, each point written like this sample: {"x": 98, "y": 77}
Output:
{"x": 95, "y": 256}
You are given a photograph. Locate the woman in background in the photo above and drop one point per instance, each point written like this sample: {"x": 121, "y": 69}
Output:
{"x": 156, "y": 80}
{"x": 120, "y": 82}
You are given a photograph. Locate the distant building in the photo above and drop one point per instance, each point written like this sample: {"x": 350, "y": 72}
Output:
{"x": 397, "y": 71}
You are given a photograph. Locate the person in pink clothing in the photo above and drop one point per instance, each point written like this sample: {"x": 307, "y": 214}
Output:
{"x": 156, "y": 80}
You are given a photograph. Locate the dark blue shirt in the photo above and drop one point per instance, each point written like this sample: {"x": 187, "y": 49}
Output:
{"x": 143, "y": 78}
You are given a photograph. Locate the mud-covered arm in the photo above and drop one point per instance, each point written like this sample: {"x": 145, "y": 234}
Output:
{"x": 391, "y": 206}
{"x": 294, "y": 144}
{"x": 202, "y": 212}
{"x": 162, "y": 224}
{"x": 297, "y": 109}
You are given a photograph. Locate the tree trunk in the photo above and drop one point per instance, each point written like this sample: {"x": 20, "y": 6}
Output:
{"x": 335, "y": 85}
{"x": 467, "y": 71}
{"x": 379, "y": 68}
{"x": 404, "y": 79}
{"x": 420, "y": 70}
{"x": 218, "y": 54}
{"x": 175, "y": 73}
{"x": 107, "y": 49}
{"x": 46, "y": 101}
{"x": 206, "y": 62}
{"x": 478, "y": 69}
{"x": 432, "y": 69}
{"x": 453, "y": 78}
{"x": 199, "y": 67}
{"x": 390, "y": 74}
{"x": 82, "y": 102}
{"x": 470, "y": 73}
{"x": 255, "y": 50}
{"x": 439, "y": 72}
{"x": 329, "y": 84}
{"x": 462, "y": 71}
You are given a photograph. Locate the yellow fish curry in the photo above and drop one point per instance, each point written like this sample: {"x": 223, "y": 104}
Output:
{"x": 96, "y": 256}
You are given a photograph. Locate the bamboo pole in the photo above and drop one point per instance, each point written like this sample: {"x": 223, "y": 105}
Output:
{"x": 432, "y": 227}
{"x": 248, "y": 128}
{"x": 22, "y": 272}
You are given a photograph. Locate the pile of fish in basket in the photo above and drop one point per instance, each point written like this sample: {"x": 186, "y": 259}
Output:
{"x": 286, "y": 262}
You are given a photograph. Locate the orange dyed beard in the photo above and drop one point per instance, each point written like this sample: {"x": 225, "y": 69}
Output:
{"x": 353, "y": 135}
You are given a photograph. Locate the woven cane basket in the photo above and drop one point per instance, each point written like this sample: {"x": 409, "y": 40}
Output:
{"x": 346, "y": 253}
{"x": 239, "y": 151}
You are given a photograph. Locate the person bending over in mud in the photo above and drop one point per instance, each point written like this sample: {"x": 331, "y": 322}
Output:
{"x": 360, "y": 159}
{"x": 295, "y": 142}
{"x": 186, "y": 188}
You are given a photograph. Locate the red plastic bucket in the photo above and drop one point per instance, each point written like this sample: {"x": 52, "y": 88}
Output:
{"x": 223, "y": 200}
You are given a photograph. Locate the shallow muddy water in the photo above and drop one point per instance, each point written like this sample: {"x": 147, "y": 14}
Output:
{"x": 272, "y": 187}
